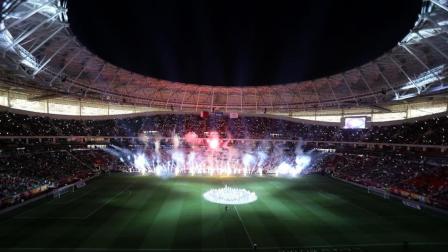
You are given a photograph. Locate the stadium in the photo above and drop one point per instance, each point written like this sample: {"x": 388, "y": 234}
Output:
{"x": 223, "y": 125}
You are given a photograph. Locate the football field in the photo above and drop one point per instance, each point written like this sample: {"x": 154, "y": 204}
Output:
{"x": 141, "y": 213}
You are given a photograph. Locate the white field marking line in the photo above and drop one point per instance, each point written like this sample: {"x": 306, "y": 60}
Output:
{"x": 107, "y": 202}
{"x": 244, "y": 227}
{"x": 51, "y": 203}
{"x": 74, "y": 198}
{"x": 28, "y": 210}
{"x": 70, "y": 218}
{"x": 23, "y": 215}
{"x": 392, "y": 244}
{"x": 325, "y": 195}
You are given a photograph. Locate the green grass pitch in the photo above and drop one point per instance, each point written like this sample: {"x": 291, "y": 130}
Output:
{"x": 140, "y": 213}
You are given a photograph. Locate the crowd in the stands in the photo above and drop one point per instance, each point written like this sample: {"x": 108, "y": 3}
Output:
{"x": 431, "y": 131}
{"x": 397, "y": 173}
{"x": 20, "y": 174}
{"x": 421, "y": 178}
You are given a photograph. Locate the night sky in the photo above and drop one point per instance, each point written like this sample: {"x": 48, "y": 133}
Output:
{"x": 241, "y": 42}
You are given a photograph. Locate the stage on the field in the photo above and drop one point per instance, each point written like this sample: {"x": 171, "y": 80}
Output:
{"x": 135, "y": 213}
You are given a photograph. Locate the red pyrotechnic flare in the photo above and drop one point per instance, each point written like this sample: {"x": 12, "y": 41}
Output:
{"x": 191, "y": 138}
{"x": 213, "y": 140}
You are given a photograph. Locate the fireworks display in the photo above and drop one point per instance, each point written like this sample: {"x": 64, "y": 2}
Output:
{"x": 212, "y": 156}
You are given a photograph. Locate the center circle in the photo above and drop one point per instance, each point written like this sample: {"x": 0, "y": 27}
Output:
{"x": 230, "y": 196}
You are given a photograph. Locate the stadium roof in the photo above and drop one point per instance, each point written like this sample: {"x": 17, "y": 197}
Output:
{"x": 40, "y": 51}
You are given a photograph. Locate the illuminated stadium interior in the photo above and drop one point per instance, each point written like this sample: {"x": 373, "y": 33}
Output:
{"x": 223, "y": 125}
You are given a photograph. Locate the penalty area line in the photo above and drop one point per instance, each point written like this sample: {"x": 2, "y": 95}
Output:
{"x": 20, "y": 217}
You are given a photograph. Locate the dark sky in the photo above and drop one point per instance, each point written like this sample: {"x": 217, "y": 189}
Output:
{"x": 244, "y": 42}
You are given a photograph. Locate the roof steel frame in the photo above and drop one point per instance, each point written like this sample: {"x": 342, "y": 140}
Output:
{"x": 55, "y": 60}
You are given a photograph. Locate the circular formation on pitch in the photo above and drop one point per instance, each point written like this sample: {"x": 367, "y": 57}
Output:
{"x": 230, "y": 196}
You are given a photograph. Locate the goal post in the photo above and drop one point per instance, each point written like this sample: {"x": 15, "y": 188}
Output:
{"x": 379, "y": 192}
{"x": 57, "y": 193}
{"x": 80, "y": 184}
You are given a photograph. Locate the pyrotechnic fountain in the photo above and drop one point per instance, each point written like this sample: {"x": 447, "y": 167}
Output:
{"x": 230, "y": 196}
{"x": 212, "y": 156}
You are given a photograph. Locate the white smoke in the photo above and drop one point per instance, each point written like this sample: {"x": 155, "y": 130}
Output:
{"x": 201, "y": 157}
{"x": 141, "y": 163}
